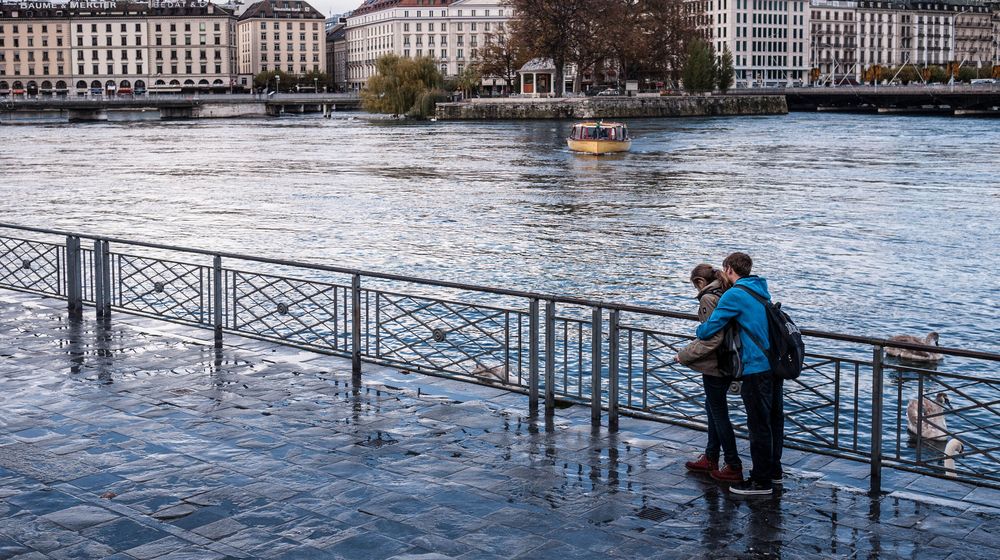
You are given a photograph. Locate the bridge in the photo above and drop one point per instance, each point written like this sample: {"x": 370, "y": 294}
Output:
{"x": 176, "y": 106}
{"x": 978, "y": 100}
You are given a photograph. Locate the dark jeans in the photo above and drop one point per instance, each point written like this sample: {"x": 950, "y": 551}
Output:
{"x": 764, "y": 401}
{"x": 720, "y": 429}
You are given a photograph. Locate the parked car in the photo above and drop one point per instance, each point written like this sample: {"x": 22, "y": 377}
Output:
{"x": 610, "y": 92}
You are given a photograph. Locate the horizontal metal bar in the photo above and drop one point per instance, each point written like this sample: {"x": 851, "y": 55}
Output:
{"x": 872, "y": 341}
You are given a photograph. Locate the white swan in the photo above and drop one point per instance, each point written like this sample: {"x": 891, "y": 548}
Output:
{"x": 915, "y": 355}
{"x": 933, "y": 425}
{"x": 954, "y": 447}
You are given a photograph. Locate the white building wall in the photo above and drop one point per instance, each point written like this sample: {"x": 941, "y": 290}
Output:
{"x": 452, "y": 35}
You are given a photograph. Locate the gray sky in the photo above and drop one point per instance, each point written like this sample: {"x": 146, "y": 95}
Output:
{"x": 334, "y": 6}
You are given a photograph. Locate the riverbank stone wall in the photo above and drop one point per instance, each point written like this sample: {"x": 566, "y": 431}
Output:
{"x": 613, "y": 107}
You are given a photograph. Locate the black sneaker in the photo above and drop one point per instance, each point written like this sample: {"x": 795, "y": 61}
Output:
{"x": 752, "y": 488}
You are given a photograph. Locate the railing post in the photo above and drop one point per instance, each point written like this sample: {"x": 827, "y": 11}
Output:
{"x": 595, "y": 368}
{"x": 550, "y": 358}
{"x": 876, "y": 449}
{"x": 217, "y": 299}
{"x": 533, "y": 358}
{"x": 613, "y": 371}
{"x": 99, "y": 278}
{"x": 106, "y": 280}
{"x": 74, "y": 277}
{"x": 356, "y": 327}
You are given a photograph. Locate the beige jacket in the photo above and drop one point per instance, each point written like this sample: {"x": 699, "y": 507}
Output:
{"x": 699, "y": 355}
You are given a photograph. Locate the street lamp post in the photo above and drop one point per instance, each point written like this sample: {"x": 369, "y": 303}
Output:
{"x": 315, "y": 85}
{"x": 277, "y": 84}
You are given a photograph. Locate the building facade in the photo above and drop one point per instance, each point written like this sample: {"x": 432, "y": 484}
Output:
{"x": 852, "y": 37}
{"x": 108, "y": 48}
{"x": 285, "y": 35}
{"x": 769, "y": 39}
{"x": 833, "y": 42}
{"x": 449, "y": 31}
{"x": 336, "y": 55}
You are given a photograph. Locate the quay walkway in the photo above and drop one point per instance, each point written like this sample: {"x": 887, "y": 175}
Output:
{"x": 136, "y": 438}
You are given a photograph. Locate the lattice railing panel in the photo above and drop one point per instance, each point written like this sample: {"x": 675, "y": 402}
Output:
{"x": 959, "y": 419}
{"x": 450, "y": 337}
{"x": 159, "y": 287}
{"x": 31, "y": 265}
{"x": 291, "y": 310}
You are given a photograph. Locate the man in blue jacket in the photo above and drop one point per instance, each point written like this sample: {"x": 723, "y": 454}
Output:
{"x": 761, "y": 391}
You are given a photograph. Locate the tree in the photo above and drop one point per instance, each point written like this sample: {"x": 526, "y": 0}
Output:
{"x": 399, "y": 84}
{"x": 469, "y": 80}
{"x": 726, "y": 71}
{"x": 546, "y": 29}
{"x": 699, "y": 69}
{"x": 967, "y": 74}
{"x": 274, "y": 79}
{"x": 502, "y": 56}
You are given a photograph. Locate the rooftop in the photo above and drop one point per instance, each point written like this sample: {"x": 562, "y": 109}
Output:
{"x": 137, "y": 439}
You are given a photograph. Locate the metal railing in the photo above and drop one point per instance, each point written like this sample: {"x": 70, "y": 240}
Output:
{"x": 851, "y": 401}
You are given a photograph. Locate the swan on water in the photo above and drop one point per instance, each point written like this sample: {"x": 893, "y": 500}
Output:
{"x": 933, "y": 425}
{"x": 915, "y": 355}
{"x": 954, "y": 447}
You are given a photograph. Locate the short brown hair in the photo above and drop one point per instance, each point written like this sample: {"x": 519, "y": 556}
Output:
{"x": 741, "y": 263}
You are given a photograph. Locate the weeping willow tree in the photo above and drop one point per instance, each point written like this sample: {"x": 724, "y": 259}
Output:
{"x": 403, "y": 86}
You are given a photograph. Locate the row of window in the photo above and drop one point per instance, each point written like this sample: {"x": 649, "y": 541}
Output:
{"x": 288, "y": 25}
{"x": 109, "y": 28}
{"x": 290, "y": 57}
{"x": 288, "y": 36}
{"x": 459, "y": 54}
{"x": 124, "y": 69}
{"x": 289, "y": 46}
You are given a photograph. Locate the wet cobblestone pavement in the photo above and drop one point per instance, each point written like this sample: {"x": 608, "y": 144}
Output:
{"x": 137, "y": 440}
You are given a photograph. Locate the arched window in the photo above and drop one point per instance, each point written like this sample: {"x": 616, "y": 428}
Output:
{"x": 140, "y": 86}
{"x": 189, "y": 82}
{"x": 217, "y": 82}
{"x": 4, "y": 86}
{"x": 61, "y": 85}
{"x": 18, "y": 85}
{"x": 176, "y": 82}
{"x": 203, "y": 82}
{"x": 46, "y": 86}
{"x": 81, "y": 85}
{"x": 124, "y": 84}
{"x": 160, "y": 83}
{"x": 95, "y": 85}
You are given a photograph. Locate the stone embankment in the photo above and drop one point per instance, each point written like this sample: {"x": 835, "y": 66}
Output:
{"x": 613, "y": 107}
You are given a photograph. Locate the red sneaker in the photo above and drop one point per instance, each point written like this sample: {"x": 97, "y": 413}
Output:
{"x": 703, "y": 464}
{"x": 728, "y": 474}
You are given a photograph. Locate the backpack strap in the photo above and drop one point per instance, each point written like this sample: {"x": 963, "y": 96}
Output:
{"x": 752, "y": 336}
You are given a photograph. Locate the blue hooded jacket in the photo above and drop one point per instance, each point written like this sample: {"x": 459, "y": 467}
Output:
{"x": 750, "y": 315}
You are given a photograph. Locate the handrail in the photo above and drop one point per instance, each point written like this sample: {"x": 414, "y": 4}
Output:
{"x": 569, "y": 300}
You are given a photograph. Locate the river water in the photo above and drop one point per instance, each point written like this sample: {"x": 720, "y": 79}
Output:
{"x": 866, "y": 225}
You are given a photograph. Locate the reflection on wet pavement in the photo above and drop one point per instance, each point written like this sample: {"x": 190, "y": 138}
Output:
{"x": 136, "y": 439}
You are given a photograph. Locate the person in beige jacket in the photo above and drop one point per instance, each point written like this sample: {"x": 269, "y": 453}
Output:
{"x": 699, "y": 355}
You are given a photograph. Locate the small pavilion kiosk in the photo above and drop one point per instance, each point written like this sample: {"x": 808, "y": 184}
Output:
{"x": 538, "y": 76}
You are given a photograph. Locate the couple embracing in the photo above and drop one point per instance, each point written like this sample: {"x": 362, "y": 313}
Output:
{"x": 734, "y": 298}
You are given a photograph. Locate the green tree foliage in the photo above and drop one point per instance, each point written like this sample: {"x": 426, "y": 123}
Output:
{"x": 967, "y": 74}
{"x": 267, "y": 80}
{"x": 291, "y": 82}
{"x": 936, "y": 74}
{"x": 399, "y": 84}
{"x": 700, "y": 68}
{"x": 907, "y": 74}
{"x": 469, "y": 81}
{"x": 726, "y": 72}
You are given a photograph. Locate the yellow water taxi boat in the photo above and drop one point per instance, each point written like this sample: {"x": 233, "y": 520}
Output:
{"x": 599, "y": 138}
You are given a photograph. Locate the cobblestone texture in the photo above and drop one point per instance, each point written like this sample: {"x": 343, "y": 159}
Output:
{"x": 137, "y": 440}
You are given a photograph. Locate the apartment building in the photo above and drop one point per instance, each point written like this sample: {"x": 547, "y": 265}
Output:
{"x": 109, "y": 48}
{"x": 769, "y": 39}
{"x": 286, "y": 35}
{"x": 449, "y": 31}
{"x": 849, "y": 37}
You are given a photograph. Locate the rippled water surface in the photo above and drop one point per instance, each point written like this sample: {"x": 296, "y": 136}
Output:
{"x": 865, "y": 225}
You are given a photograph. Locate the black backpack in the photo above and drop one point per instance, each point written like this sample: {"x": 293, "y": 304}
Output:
{"x": 728, "y": 352}
{"x": 787, "y": 351}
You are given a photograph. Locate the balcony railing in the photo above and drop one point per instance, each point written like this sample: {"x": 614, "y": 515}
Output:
{"x": 851, "y": 401}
